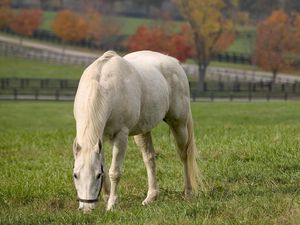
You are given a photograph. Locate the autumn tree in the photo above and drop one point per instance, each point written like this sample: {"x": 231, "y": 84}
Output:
{"x": 5, "y": 13}
{"x": 275, "y": 41}
{"x": 98, "y": 27}
{"x": 5, "y": 3}
{"x": 158, "y": 39}
{"x": 212, "y": 30}
{"x": 70, "y": 26}
{"x": 26, "y": 21}
{"x": 297, "y": 25}
{"x": 94, "y": 26}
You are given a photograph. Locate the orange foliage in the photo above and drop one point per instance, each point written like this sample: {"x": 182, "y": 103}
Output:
{"x": 5, "y": 17}
{"x": 26, "y": 21}
{"x": 274, "y": 42}
{"x": 70, "y": 26}
{"x": 297, "y": 25}
{"x": 224, "y": 41}
{"x": 157, "y": 39}
{"x": 5, "y": 3}
{"x": 212, "y": 31}
{"x": 95, "y": 28}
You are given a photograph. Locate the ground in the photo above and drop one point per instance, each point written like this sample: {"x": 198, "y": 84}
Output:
{"x": 249, "y": 160}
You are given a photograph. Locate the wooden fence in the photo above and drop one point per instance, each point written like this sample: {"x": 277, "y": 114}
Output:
{"x": 63, "y": 89}
{"x": 7, "y": 49}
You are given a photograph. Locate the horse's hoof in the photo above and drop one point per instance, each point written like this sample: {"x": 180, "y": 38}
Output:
{"x": 111, "y": 204}
{"x": 150, "y": 198}
{"x": 110, "y": 208}
{"x": 188, "y": 195}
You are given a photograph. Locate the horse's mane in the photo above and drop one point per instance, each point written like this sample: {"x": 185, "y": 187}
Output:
{"x": 90, "y": 105}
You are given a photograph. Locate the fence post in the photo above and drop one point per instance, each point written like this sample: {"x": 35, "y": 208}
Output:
{"x": 212, "y": 96}
{"x": 36, "y": 95}
{"x": 285, "y": 96}
{"x": 294, "y": 87}
{"x": 204, "y": 86}
{"x": 282, "y": 87}
{"x": 268, "y": 95}
{"x": 270, "y": 86}
{"x": 2, "y": 83}
{"x": 57, "y": 94}
{"x": 15, "y": 94}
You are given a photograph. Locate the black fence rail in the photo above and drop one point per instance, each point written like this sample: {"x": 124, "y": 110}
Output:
{"x": 246, "y": 90}
{"x": 65, "y": 89}
{"x": 37, "y": 89}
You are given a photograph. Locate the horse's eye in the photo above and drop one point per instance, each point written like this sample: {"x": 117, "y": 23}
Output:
{"x": 98, "y": 176}
{"x": 75, "y": 176}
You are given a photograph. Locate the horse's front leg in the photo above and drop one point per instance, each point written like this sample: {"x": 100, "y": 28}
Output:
{"x": 144, "y": 142}
{"x": 119, "y": 148}
{"x": 106, "y": 183}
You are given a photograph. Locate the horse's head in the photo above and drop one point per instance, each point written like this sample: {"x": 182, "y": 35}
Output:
{"x": 88, "y": 175}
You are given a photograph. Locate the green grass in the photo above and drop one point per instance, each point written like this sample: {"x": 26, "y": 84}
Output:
{"x": 249, "y": 159}
{"x": 242, "y": 45}
{"x": 15, "y": 67}
{"x": 48, "y": 17}
{"x": 27, "y": 68}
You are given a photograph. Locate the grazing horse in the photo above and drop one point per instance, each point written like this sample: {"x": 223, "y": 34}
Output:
{"x": 126, "y": 96}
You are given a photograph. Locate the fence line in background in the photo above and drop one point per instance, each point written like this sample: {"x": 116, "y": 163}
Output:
{"x": 65, "y": 89}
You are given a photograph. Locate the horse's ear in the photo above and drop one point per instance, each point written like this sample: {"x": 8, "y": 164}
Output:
{"x": 76, "y": 147}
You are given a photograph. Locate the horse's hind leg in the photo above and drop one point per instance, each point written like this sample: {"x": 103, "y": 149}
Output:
{"x": 144, "y": 142}
{"x": 182, "y": 131}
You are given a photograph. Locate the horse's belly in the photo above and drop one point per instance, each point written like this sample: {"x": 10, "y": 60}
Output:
{"x": 154, "y": 106}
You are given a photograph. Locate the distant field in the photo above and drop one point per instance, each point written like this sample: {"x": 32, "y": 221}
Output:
{"x": 250, "y": 156}
{"x": 128, "y": 25}
{"x": 27, "y": 68}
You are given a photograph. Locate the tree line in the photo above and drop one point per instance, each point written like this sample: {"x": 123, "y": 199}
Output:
{"x": 210, "y": 30}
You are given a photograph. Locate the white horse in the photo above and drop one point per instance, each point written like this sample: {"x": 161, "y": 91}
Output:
{"x": 120, "y": 97}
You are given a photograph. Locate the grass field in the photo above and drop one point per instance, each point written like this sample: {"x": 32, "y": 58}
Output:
{"x": 250, "y": 156}
{"x": 28, "y": 68}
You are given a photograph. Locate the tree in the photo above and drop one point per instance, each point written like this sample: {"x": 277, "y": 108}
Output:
{"x": 181, "y": 44}
{"x": 212, "y": 31}
{"x": 158, "y": 39}
{"x": 26, "y": 21}
{"x": 275, "y": 42}
{"x": 5, "y": 3}
{"x": 297, "y": 25}
{"x": 95, "y": 26}
{"x": 99, "y": 28}
{"x": 70, "y": 26}
{"x": 5, "y": 13}
{"x": 5, "y": 17}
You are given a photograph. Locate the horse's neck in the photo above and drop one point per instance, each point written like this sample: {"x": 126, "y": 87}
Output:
{"x": 92, "y": 111}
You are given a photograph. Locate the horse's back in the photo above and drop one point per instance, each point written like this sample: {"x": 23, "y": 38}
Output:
{"x": 152, "y": 65}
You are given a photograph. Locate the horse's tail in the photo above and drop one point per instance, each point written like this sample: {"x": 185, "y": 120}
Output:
{"x": 192, "y": 155}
